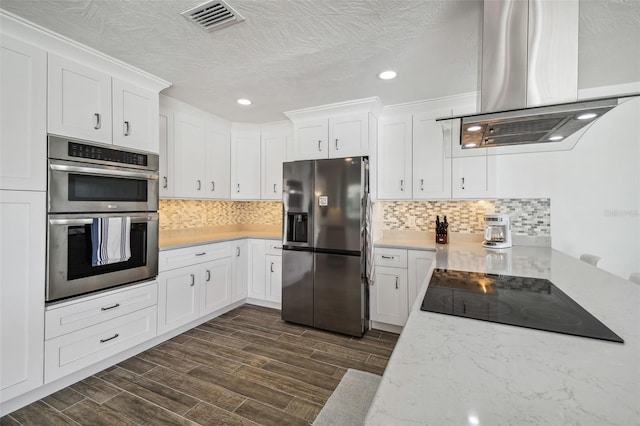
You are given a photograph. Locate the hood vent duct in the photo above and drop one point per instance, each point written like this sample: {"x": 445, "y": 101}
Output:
{"x": 529, "y": 84}
{"x": 213, "y": 15}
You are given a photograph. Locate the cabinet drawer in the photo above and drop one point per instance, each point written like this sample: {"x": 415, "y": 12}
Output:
{"x": 75, "y": 316}
{"x": 396, "y": 258}
{"x": 178, "y": 258}
{"x": 74, "y": 351}
{"x": 273, "y": 247}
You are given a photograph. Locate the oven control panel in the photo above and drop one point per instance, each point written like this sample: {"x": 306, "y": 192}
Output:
{"x": 105, "y": 154}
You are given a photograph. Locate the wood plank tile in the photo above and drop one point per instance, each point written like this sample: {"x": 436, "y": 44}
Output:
{"x": 233, "y": 326}
{"x": 41, "y": 414}
{"x": 206, "y": 414}
{"x": 144, "y": 412}
{"x": 180, "y": 338}
{"x": 190, "y": 353}
{"x": 280, "y": 325}
{"x": 237, "y": 355}
{"x": 363, "y": 344}
{"x": 389, "y": 337}
{"x": 284, "y": 384}
{"x": 169, "y": 361}
{"x": 8, "y": 421}
{"x": 346, "y": 362}
{"x": 96, "y": 389}
{"x": 268, "y": 416}
{"x": 137, "y": 365}
{"x": 203, "y": 334}
{"x": 291, "y": 358}
{"x": 242, "y": 386}
{"x": 371, "y": 341}
{"x": 151, "y": 391}
{"x": 374, "y": 333}
{"x": 90, "y": 413}
{"x": 303, "y": 409}
{"x": 215, "y": 327}
{"x": 326, "y": 347}
{"x": 275, "y": 343}
{"x": 63, "y": 398}
{"x": 201, "y": 389}
{"x": 380, "y": 361}
{"x": 318, "y": 379}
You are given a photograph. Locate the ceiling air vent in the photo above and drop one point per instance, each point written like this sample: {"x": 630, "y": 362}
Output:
{"x": 213, "y": 15}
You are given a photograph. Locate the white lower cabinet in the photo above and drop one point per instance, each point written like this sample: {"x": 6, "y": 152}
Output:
{"x": 257, "y": 286}
{"x": 265, "y": 272}
{"x": 217, "y": 286}
{"x": 273, "y": 278}
{"x": 178, "y": 297}
{"x": 81, "y": 333}
{"x": 389, "y": 296}
{"x": 419, "y": 262}
{"x": 239, "y": 270}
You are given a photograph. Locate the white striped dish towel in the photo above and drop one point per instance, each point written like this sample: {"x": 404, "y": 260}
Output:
{"x": 110, "y": 239}
{"x": 369, "y": 240}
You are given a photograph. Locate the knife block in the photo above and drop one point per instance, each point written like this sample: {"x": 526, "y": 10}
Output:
{"x": 442, "y": 238}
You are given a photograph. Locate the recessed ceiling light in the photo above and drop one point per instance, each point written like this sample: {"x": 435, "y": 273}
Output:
{"x": 587, "y": 116}
{"x": 244, "y": 102}
{"x": 387, "y": 75}
{"x": 556, "y": 138}
{"x": 473, "y": 128}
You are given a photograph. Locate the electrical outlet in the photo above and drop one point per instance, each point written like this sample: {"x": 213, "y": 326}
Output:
{"x": 411, "y": 221}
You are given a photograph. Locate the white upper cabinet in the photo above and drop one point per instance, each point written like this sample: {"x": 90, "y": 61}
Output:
{"x": 190, "y": 143}
{"x": 394, "y": 158}
{"x": 245, "y": 164}
{"x": 79, "y": 101}
{"x": 167, "y": 153}
{"x": 431, "y": 165}
{"x": 217, "y": 163}
{"x": 274, "y": 153}
{"x": 310, "y": 139}
{"x": 135, "y": 115}
{"x": 349, "y": 135}
{"x": 473, "y": 177}
{"x": 23, "y": 116}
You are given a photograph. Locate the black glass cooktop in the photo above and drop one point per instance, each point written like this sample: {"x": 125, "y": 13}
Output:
{"x": 520, "y": 301}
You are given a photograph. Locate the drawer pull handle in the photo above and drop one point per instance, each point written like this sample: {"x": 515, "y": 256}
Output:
{"x": 277, "y": 247}
{"x": 166, "y": 183}
{"x": 388, "y": 257}
{"x": 97, "y": 125}
{"x": 396, "y": 282}
{"x": 126, "y": 128}
{"x": 319, "y": 146}
{"x": 421, "y": 184}
{"x": 208, "y": 275}
{"x": 109, "y": 338}
{"x": 199, "y": 185}
{"x": 213, "y": 186}
{"x": 274, "y": 188}
{"x": 237, "y": 251}
{"x": 271, "y": 266}
{"x": 336, "y": 144}
{"x": 193, "y": 280}
{"x": 462, "y": 183}
{"x": 402, "y": 185}
{"x": 117, "y": 305}
{"x": 201, "y": 254}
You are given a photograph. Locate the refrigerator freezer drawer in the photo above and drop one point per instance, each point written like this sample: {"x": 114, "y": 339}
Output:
{"x": 297, "y": 286}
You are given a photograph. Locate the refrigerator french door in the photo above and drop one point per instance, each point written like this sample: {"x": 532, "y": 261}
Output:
{"x": 323, "y": 241}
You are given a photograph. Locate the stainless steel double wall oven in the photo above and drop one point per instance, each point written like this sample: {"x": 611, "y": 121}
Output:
{"x": 87, "y": 181}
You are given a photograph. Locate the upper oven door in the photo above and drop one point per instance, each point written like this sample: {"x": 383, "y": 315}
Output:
{"x": 86, "y": 187}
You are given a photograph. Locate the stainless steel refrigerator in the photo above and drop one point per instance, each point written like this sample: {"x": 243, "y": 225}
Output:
{"x": 323, "y": 264}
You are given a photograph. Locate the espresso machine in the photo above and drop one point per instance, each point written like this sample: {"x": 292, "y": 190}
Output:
{"x": 497, "y": 233}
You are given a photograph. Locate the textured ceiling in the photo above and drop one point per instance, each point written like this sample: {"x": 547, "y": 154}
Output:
{"x": 291, "y": 54}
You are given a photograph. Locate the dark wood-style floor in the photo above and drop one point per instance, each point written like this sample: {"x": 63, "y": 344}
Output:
{"x": 245, "y": 367}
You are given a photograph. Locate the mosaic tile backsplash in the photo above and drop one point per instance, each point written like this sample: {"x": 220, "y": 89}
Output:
{"x": 529, "y": 217}
{"x": 187, "y": 214}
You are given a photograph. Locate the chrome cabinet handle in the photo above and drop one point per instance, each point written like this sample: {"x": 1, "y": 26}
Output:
{"x": 98, "y": 124}
{"x": 208, "y": 275}
{"x": 237, "y": 251}
{"x": 274, "y": 188}
{"x": 421, "y": 184}
{"x": 117, "y": 305}
{"x": 213, "y": 186}
{"x": 388, "y": 257}
{"x": 201, "y": 254}
{"x": 166, "y": 182}
{"x": 193, "y": 280}
{"x": 271, "y": 266}
{"x": 199, "y": 185}
{"x": 126, "y": 128}
{"x": 336, "y": 144}
{"x": 277, "y": 247}
{"x": 319, "y": 148}
{"x": 462, "y": 183}
{"x": 402, "y": 185}
{"x": 238, "y": 190}
{"x": 396, "y": 282}
{"x": 109, "y": 338}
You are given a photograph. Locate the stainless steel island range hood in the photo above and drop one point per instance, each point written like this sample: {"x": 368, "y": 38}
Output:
{"x": 529, "y": 76}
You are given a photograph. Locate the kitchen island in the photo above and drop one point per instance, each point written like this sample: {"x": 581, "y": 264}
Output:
{"x": 448, "y": 370}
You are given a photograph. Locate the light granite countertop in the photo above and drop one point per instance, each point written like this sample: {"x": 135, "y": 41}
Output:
{"x": 195, "y": 236}
{"x": 448, "y": 370}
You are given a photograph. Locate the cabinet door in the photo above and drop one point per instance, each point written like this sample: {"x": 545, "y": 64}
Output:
{"x": 349, "y": 135}
{"x": 23, "y": 114}
{"x": 257, "y": 284}
{"x": 178, "y": 297}
{"x": 135, "y": 115}
{"x": 240, "y": 270}
{"x": 245, "y": 165}
{"x": 22, "y": 278}
{"x": 190, "y": 159}
{"x": 79, "y": 101}
{"x": 389, "y": 296}
{"x": 274, "y": 150}
{"x": 273, "y": 277}
{"x": 167, "y": 156}
{"x": 473, "y": 177}
{"x": 310, "y": 139}
{"x": 431, "y": 167}
{"x": 218, "y": 157}
{"x": 419, "y": 264}
{"x": 217, "y": 285}
{"x": 394, "y": 158}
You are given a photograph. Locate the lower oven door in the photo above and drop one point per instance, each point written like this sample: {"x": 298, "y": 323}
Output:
{"x": 70, "y": 252}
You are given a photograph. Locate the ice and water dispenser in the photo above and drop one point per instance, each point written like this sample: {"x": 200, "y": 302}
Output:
{"x": 297, "y": 227}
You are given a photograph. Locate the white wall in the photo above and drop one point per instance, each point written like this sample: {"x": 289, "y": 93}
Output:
{"x": 594, "y": 189}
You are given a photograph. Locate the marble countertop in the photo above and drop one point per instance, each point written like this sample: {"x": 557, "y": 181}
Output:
{"x": 195, "y": 236}
{"x": 448, "y": 370}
